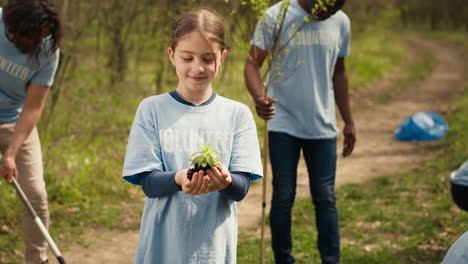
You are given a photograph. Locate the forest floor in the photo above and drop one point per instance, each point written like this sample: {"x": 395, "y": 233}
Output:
{"x": 376, "y": 154}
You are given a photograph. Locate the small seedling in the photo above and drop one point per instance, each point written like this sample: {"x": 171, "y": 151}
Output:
{"x": 205, "y": 158}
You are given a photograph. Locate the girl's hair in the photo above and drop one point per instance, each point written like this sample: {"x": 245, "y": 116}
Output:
{"x": 203, "y": 20}
{"x": 26, "y": 20}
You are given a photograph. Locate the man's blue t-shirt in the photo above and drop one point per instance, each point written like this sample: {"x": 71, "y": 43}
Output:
{"x": 17, "y": 71}
{"x": 183, "y": 228}
{"x": 460, "y": 176}
{"x": 301, "y": 75}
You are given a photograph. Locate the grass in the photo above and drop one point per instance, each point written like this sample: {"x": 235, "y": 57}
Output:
{"x": 373, "y": 56}
{"x": 402, "y": 218}
{"x": 415, "y": 71}
{"x": 85, "y": 139}
{"x": 418, "y": 70}
{"x": 460, "y": 38}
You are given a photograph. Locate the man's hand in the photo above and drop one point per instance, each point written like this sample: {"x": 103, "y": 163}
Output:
{"x": 349, "y": 132}
{"x": 265, "y": 108}
{"x": 8, "y": 168}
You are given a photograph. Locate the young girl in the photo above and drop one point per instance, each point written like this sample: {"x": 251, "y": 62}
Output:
{"x": 192, "y": 221}
{"x": 30, "y": 36}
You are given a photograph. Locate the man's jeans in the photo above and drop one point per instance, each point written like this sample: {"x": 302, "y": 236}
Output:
{"x": 320, "y": 157}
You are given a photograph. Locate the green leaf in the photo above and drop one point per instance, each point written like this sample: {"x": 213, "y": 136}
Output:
{"x": 206, "y": 156}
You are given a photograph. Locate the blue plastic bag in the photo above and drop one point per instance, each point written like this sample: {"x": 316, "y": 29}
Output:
{"x": 423, "y": 126}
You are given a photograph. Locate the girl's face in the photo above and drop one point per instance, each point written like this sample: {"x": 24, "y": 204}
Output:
{"x": 196, "y": 60}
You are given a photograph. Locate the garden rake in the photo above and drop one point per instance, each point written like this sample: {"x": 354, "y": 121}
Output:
{"x": 38, "y": 222}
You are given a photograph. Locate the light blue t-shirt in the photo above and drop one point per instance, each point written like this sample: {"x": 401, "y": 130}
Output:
{"x": 460, "y": 176}
{"x": 183, "y": 228}
{"x": 458, "y": 252}
{"x": 17, "y": 71}
{"x": 301, "y": 76}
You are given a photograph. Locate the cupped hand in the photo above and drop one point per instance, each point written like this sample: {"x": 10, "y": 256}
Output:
{"x": 220, "y": 177}
{"x": 200, "y": 184}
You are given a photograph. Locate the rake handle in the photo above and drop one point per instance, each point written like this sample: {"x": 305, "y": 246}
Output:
{"x": 38, "y": 222}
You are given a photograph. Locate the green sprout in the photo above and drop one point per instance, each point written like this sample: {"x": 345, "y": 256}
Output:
{"x": 204, "y": 159}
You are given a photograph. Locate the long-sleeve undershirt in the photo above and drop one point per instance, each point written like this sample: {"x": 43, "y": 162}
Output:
{"x": 162, "y": 183}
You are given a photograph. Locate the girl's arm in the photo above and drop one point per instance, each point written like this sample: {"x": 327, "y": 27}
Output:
{"x": 158, "y": 183}
{"x": 162, "y": 183}
{"x": 233, "y": 185}
{"x": 239, "y": 187}
{"x": 33, "y": 106}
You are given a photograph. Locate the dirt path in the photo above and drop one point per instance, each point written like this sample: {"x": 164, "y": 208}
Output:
{"x": 376, "y": 153}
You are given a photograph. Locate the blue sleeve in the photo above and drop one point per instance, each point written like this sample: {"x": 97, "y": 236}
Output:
{"x": 162, "y": 183}
{"x": 239, "y": 187}
{"x": 158, "y": 183}
{"x": 245, "y": 153}
{"x": 143, "y": 148}
{"x": 45, "y": 76}
{"x": 346, "y": 41}
{"x": 460, "y": 176}
{"x": 264, "y": 33}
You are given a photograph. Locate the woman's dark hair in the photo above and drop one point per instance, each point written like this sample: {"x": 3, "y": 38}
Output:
{"x": 27, "y": 20}
{"x": 203, "y": 20}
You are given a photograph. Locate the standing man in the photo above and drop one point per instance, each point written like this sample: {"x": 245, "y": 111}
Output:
{"x": 307, "y": 77}
{"x": 30, "y": 35}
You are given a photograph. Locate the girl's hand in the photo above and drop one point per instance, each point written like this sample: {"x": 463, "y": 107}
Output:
{"x": 181, "y": 178}
{"x": 8, "y": 168}
{"x": 200, "y": 184}
{"x": 220, "y": 177}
